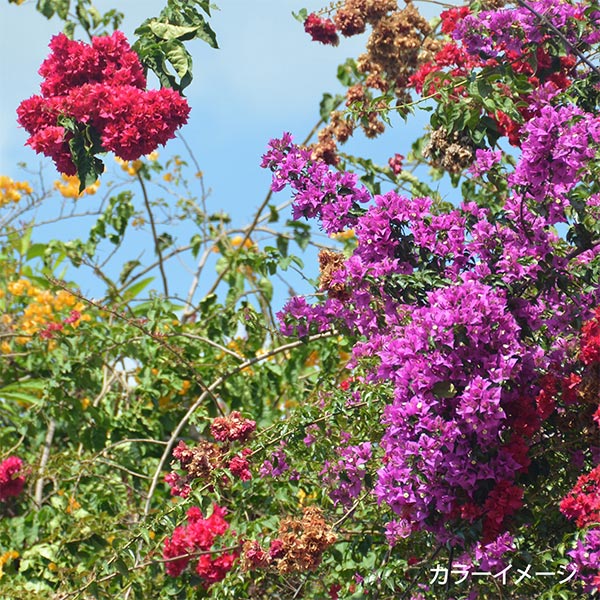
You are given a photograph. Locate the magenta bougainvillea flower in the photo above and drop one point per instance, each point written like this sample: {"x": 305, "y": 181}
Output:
{"x": 12, "y": 479}
{"x": 467, "y": 396}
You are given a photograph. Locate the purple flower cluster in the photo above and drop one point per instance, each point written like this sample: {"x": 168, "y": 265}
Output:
{"x": 454, "y": 366}
{"x": 435, "y": 303}
{"x": 558, "y": 144}
{"x": 276, "y": 464}
{"x": 348, "y": 473}
{"x": 586, "y": 557}
{"x": 318, "y": 192}
{"x": 508, "y": 30}
{"x": 484, "y": 161}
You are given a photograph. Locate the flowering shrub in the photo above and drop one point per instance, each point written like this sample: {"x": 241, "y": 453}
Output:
{"x": 422, "y": 422}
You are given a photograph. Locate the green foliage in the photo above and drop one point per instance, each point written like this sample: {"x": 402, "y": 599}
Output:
{"x": 160, "y": 43}
{"x": 84, "y": 144}
{"x": 85, "y": 14}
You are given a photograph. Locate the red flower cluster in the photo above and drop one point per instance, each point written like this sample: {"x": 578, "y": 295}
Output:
{"x": 321, "y": 30}
{"x": 396, "y": 163}
{"x": 11, "y": 479}
{"x": 590, "y": 341}
{"x": 197, "y": 537}
{"x": 546, "y": 398}
{"x": 239, "y": 465}
{"x": 582, "y": 503}
{"x": 48, "y": 332}
{"x": 504, "y": 500}
{"x": 232, "y": 428}
{"x": 451, "y": 17}
{"x": 101, "y": 85}
{"x": 199, "y": 462}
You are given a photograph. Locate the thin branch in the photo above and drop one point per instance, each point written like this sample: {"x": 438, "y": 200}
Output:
{"x": 258, "y": 215}
{"x": 209, "y": 389}
{"x": 39, "y": 484}
{"x": 159, "y": 339}
{"x": 157, "y": 247}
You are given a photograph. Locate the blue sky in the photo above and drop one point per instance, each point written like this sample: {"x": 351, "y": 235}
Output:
{"x": 266, "y": 78}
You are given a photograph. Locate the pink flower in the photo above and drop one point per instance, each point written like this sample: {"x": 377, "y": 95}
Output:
{"x": 396, "y": 163}
{"x": 197, "y": 536}
{"x": 240, "y": 467}
{"x": 11, "y": 479}
{"x": 321, "y": 30}
{"x": 231, "y": 428}
{"x": 214, "y": 570}
{"x": 582, "y": 503}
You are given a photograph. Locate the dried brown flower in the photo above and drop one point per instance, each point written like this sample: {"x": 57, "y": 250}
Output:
{"x": 453, "y": 152}
{"x": 326, "y": 147}
{"x": 330, "y": 263}
{"x": 304, "y": 541}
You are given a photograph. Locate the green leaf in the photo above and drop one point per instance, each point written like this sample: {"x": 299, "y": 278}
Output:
{"x": 46, "y": 7}
{"x": 181, "y": 60}
{"x": 25, "y": 241}
{"x": 266, "y": 287}
{"x": 69, "y": 29}
{"x": 135, "y": 289}
{"x": 121, "y": 567}
{"x": 301, "y": 15}
{"x": 35, "y": 251}
{"x": 84, "y": 144}
{"x": 327, "y": 105}
{"x": 28, "y": 391}
{"x": 62, "y": 8}
{"x": 168, "y": 31}
{"x": 444, "y": 389}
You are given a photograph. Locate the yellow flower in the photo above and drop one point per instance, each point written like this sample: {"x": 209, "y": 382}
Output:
{"x": 166, "y": 403}
{"x": 312, "y": 359}
{"x": 130, "y": 168}
{"x": 10, "y": 190}
{"x": 73, "y": 505}
{"x": 344, "y": 235}
{"x": 304, "y": 498}
{"x": 236, "y": 242}
{"x": 63, "y": 299}
{"x": 153, "y": 155}
{"x": 4, "y": 558}
{"x": 185, "y": 386}
{"x": 19, "y": 287}
{"x": 168, "y": 177}
{"x": 69, "y": 187}
{"x": 5, "y": 348}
